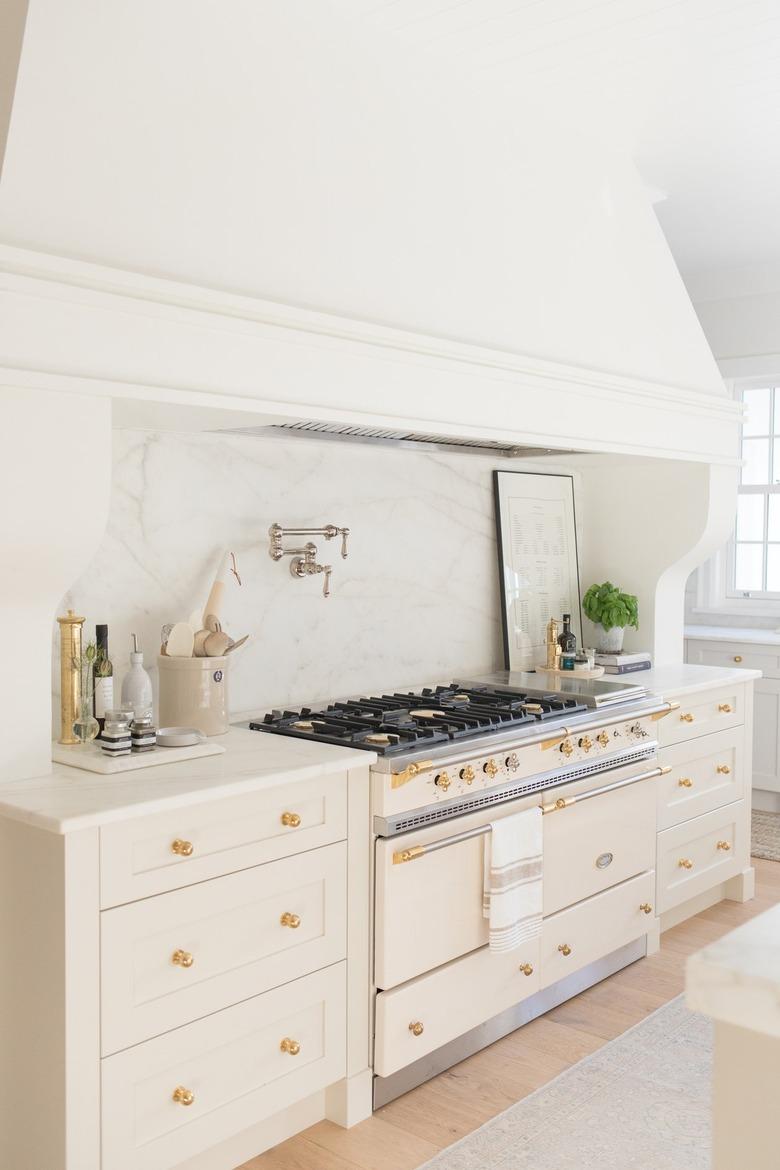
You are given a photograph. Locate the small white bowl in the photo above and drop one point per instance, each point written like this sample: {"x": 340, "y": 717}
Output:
{"x": 179, "y": 737}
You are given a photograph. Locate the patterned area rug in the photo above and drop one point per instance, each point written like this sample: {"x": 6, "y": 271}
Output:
{"x": 765, "y": 838}
{"x": 642, "y": 1102}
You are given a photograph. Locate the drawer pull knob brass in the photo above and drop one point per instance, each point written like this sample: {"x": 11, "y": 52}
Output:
{"x": 291, "y": 820}
{"x": 737, "y": 657}
{"x": 687, "y": 717}
{"x": 646, "y": 908}
{"x": 685, "y": 863}
{"x": 182, "y": 848}
{"x": 291, "y": 920}
{"x": 416, "y": 1028}
{"x": 724, "y": 845}
{"x": 291, "y": 1047}
{"x": 182, "y": 959}
{"x": 725, "y": 708}
{"x": 723, "y": 769}
{"x": 527, "y": 968}
{"x": 565, "y": 949}
{"x": 685, "y": 782}
{"x": 183, "y": 1096}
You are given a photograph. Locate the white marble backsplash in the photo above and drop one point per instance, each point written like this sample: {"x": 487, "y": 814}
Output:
{"x": 417, "y": 599}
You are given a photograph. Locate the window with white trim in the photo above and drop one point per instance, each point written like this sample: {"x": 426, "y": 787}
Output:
{"x": 753, "y": 557}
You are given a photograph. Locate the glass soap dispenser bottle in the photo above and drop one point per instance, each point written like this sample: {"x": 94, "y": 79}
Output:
{"x": 137, "y": 685}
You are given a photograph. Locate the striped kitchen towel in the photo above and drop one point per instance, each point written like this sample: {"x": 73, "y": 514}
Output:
{"x": 513, "y": 879}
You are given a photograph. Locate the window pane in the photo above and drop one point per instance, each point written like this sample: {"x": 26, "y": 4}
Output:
{"x": 757, "y": 416}
{"x": 755, "y": 452}
{"x": 774, "y": 518}
{"x": 750, "y": 517}
{"x": 773, "y": 568}
{"x": 749, "y": 566}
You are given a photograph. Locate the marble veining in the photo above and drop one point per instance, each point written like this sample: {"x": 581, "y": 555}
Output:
{"x": 417, "y": 599}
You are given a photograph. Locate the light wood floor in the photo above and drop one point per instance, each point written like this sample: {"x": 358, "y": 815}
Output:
{"x": 408, "y": 1131}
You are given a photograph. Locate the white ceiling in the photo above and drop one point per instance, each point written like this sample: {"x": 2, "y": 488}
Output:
{"x": 690, "y": 87}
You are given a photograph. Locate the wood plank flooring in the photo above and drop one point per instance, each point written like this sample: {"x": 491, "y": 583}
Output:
{"x": 410, "y": 1130}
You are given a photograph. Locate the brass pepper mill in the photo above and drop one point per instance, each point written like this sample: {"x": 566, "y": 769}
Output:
{"x": 553, "y": 649}
{"x": 70, "y": 654}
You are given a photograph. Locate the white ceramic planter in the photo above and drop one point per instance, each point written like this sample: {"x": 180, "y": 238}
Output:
{"x": 609, "y": 641}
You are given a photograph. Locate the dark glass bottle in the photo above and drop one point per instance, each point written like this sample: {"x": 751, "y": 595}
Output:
{"x": 566, "y": 639}
{"x": 104, "y": 677}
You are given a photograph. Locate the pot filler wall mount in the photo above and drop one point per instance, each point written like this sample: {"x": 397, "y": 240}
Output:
{"x": 304, "y": 561}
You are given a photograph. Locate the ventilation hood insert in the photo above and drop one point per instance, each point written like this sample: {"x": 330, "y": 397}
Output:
{"x": 311, "y": 429}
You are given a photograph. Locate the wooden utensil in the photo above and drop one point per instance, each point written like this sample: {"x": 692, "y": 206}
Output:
{"x": 181, "y": 641}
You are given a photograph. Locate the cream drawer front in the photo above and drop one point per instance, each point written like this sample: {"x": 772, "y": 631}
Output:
{"x": 598, "y": 842}
{"x": 419, "y": 1017}
{"x": 171, "y": 959}
{"x": 167, "y": 850}
{"x": 707, "y": 773}
{"x": 575, "y": 937}
{"x": 736, "y": 655}
{"x": 698, "y": 854}
{"x": 702, "y": 713}
{"x": 232, "y": 1063}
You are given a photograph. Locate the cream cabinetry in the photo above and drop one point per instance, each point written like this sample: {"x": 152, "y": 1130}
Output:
{"x": 199, "y": 983}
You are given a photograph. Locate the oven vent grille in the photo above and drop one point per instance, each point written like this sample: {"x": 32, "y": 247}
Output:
{"x": 431, "y": 815}
{"x": 388, "y": 436}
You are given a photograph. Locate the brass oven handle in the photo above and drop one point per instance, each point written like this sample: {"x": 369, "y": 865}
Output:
{"x": 398, "y": 779}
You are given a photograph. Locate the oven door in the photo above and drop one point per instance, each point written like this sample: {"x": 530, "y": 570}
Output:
{"x": 428, "y": 910}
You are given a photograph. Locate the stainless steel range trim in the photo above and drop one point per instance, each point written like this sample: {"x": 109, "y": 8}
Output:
{"x": 388, "y": 1088}
{"x": 432, "y": 814}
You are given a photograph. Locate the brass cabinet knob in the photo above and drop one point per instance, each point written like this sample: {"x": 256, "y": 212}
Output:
{"x": 687, "y": 717}
{"x": 527, "y": 968}
{"x": 512, "y": 762}
{"x": 737, "y": 657}
{"x": 603, "y": 738}
{"x": 586, "y": 743}
{"x": 182, "y": 958}
{"x": 646, "y": 908}
{"x": 567, "y": 747}
{"x": 291, "y": 820}
{"x": 183, "y": 1096}
{"x": 685, "y": 863}
{"x": 291, "y": 920}
{"x": 725, "y": 708}
{"x": 416, "y": 1028}
{"x": 291, "y": 1047}
{"x": 724, "y": 845}
{"x": 467, "y": 774}
{"x": 491, "y": 767}
{"x": 723, "y": 769}
{"x": 182, "y": 848}
{"x": 685, "y": 782}
{"x": 565, "y": 949}
{"x": 443, "y": 781}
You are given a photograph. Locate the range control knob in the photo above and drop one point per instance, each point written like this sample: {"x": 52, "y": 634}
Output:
{"x": 443, "y": 781}
{"x": 467, "y": 774}
{"x": 567, "y": 747}
{"x": 512, "y": 762}
{"x": 586, "y": 743}
{"x": 603, "y": 738}
{"x": 491, "y": 768}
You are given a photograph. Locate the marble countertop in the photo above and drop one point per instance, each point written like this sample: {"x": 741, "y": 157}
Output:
{"x": 734, "y": 634}
{"x": 684, "y": 678}
{"x": 68, "y": 799}
{"x": 737, "y": 978}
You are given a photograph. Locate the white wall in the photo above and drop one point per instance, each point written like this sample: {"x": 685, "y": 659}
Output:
{"x": 739, "y": 311}
{"x": 268, "y": 148}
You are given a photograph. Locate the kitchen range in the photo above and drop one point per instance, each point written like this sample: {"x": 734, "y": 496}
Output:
{"x": 452, "y": 760}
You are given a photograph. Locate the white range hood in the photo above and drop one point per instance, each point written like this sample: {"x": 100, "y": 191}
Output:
{"x": 220, "y": 216}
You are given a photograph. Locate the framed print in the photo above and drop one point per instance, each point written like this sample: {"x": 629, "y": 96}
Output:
{"x": 537, "y": 561}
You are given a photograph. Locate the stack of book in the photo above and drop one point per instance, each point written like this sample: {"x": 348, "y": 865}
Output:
{"x": 623, "y": 663}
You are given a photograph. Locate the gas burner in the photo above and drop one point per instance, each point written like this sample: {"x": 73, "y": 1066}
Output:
{"x": 402, "y": 722}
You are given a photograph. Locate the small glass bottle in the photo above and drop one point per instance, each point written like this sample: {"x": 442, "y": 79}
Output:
{"x": 567, "y": 639}
{"x": 104, "y": 677}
